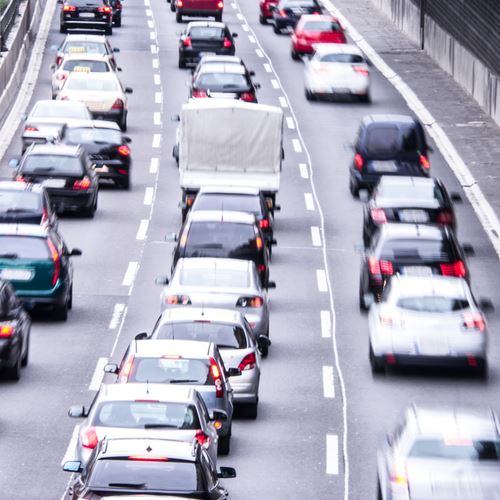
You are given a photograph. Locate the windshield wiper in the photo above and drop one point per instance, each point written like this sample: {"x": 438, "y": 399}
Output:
{"x": 8, "y": 256}
{"x": 127, "y": 485}
{"x": 160, "y": 426}
{"x": 184, "y": 381}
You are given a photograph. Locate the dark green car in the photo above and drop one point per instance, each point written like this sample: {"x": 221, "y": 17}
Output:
{"x": 36, "y": 261}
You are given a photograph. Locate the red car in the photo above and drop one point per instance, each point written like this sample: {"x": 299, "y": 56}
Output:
{"x": 313, "y": 29}
{"x": 265, "y": 12}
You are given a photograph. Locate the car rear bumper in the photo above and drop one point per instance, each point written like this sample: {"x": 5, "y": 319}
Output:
{"x": 72, "y": 201}
{"x": 9, "y": 352}
{"x": 199, "y": 12}
{"x": 451, "y": 361}
{"x": 368, "y": 180}
{"x": 113, "y": 115}
{"x": 43, "y": 298}
{"x": 85, "y": 23}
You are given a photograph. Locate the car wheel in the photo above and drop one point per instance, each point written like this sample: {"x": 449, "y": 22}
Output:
{"x": 262, "y": 19}
{"x": 124, "y": 183}
{"x": 218, "y": 17}
{"x": 376, "y": 362}
{"x": 123, "y": 122}
{"x": 61, "y": 312}
{"x": 362, "y": 302}
{"x": 379, "y": 491}
{"x": 108, "y": 31}
{"x": 295, "y": 55}
{"x": 182, "y": 63}
{"x": 366, "y": 98}
{"x": 62, "y": 29}
{"x": 224, "y": 445}
{"x": 70, "y": 298}
{"x": 264, "y": 350}
{"x": 118, "y": 21}
{"x": 309, "y": 95}
{"x": 353, "y": 187}
{"x": 178, "y": 17}
{"x": 172, "y": 5}
{"x": 14, "y": 373}
{"x": 482, "y": 369}
{"x": 276, "y": 29}
{"x": 250, "y": 410}
{"x": 25, "y": 358}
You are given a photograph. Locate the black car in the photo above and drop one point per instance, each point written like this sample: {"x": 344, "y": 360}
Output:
{"x": 388, "y": 145}
{"x": 224, "y": 234}
{"x": 205, "y": 36}
{"x": 15, "y": 327}
{"x": 107, "y": 149}
{"x": 86, "y": 14}
{"x": 286, "y": 14}
{"x": 117, "y": 7}
{"x": 26, "y": 204}
{"x": 149, "y": 466}
{"x": 215, "y": 59}
{"x": 66, "y": 173}
{"x": 224, "y": 80}
{"x": 410, "y": 249}
{"x": 408, "y": 200}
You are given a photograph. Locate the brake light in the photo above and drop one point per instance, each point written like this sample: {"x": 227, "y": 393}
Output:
{"x": 261, "y": 268}
{"x": 264, "y": 224}
{"x": 190, "y": 199}
{"x": 378, "y": 267}
{"x": 118, "y": 104}
{"x": 106, "y": 9}
{"x": 187, "y": 42}
{"x": 259, "y": 243}
{"x": 248, "y": 362}
{"x": 196, "y": 93}
{"x": 178, "y": 300}
{"x": 57, "y": 261}
{"x": 455, "y": 269}
{"x": 89, "y": 438}
{"x": 6, "y": 331}
{"x": 64, "y": 98}
{"x": 69, "y": 8}
{"x": 445, "y": 217}
{"x": 378, "y": 215}
{"x": 82, "y": 184}
{"x": 20, "y": 178}
{"x": 58, "y": 60}
{"x": 358, "y": 161}
{"x": 227, "y": 43}
{"x": 282, "y": 13}
{"x": 61, "y": 76}
{"x": 474, "y": 321}
{"x": 424, "y": 161}
{"x": 360, "y": 70}
{"x": 220, "y": 5}
{"x": 148, "y": 458}
{"x": 124, "y": 150}
{"x": 202, "y": 438}
{"x": 30, "y": 128}
{"x": 399, "y": 479}
{"x": 126, "y": 370}
{"x": 247, "y": 97}
{"x": 216, "y": 375}
{"x": 250, "y": 302}
{"x": 180, "y": 3}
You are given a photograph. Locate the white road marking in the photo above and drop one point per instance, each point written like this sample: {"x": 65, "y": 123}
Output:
{"x": 268, "y": 68}
{"x": 157, "y": 79}
{"x": 154, "y": 49}
{"x": 118, "y": 333}
{"x": 147, "y": 3}
{"x": 130, "y": 273}
{"x": 157, "y": 118}
{"x": 70, "y": 450}
{"x": 308, "y": 198}
{"x": 326, "y": 324}
{"x": 290, "y": 123}
{"x": 321, "y": 278}
{"x": 151, "y": 24}
{"x": 328, "y": 385}
{"x": 158, "y": 97}
{"x": 332, "y": 454}
{"x": 252, "y": 39}
{"x": 96, "y": 380}
{"x": 245, "y": 27}
{"x": 315, "y": 236}
{"x": 156, "y": 63}
{"x": 304, "y": 173}
{"x": 156, "y": 140}
{"x": 115, "y": 317}
{"x": 239, "y": 16}
{"x": 143, "y": 230}
{"x": 275, "y": 84}
{"x": 234, "y": 6}
{"x": 153, "y": 167}
{"x": 296, "y": 146}
{"x": 148, "y": 195}
{"x": 259, "y": 53}
{"x": 283, "y": 102}
{"x": 152, "y": 35}
{"x": 149, "y": 13}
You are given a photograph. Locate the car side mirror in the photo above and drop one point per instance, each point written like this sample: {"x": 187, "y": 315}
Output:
{"x": 263, "y": 342}
{"x": 116, "y": 50}
{"x": 430, "y": 149}
{"x": 52, "y": 67}
{"x": 77, "y": 411}
{"x": 175, "y": 118}
{"x": 161, "y": 280}
{"x": 219, "y": 415}
{"x": 364, "y": 195}
{"x": 235, "y": 35}
{"x": 272, "y": 8}
{"x": 14, "y": 163}
{"x": 274, "y": 241}
{"x": 277, "y": 208}
{"x": 129, "y": 90}
{"x": 226, "y": 473}
{"x": 486, "y": 305}
{"x": 233, "y": 372}
{"x": 141, "y": 336}
{"x": 127, "y": 139}
{"x": 111, "y": 368}
{"x": 171, "y": 237}
{"x": 73, "y": 466}
{"x": 251, "y": 72}
{"x": 257, "y": 85}
{"x": 468, "y": 249}
{"x": 75, "y": 252}
{"x": 271, "y": 285}
{"x": 456, "y": 197}
{"x": 119, "y": 69}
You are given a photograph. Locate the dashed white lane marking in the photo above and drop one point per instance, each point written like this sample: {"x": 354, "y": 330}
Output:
{"x": 156, "y": 63}
{"x": 156, "y": 141}
{"x": 71, "y": 447}
{"x": 148, "y": 195}
{"x": 304, "y": 173}
{"x": 297, "y": 147}
{"x": 154, "y": 49}
{"x": 332, "y": 454}
{"x": 147, "y": 3}
{"x": 290, "y": 123}
{"x": 252, "y": 39}
{"x": 96, "y": 380}
{"x": 149, "y": 13}
{"x": 245, "y": 27}
{"x": 153, "y": 167}
{"x": 130, "y": 273}
{"x": 152, "y": 35}
{"x": 315, "y": 236}
{"x": 157, "y": 118}
{"x": 143, "y": 230}
{"x": 239, "y": 16}
{"x": 326, "y": 324}
{"x": 328, "y": 385}
{"x": 151, "y": 25}
{"x": 259, "y": 53}
{"x": 322, "y": 283}
{"x": 115, "y": 317}
{"x": 268, "y": 68}
{"x": 157, "y": 79}
{"x": 234, "y": 6}
{"x": 283, "y": 102}
{"x": 158, "y": 97}
{"x": 275, "y": 84}
{"x": 309, "y": 200}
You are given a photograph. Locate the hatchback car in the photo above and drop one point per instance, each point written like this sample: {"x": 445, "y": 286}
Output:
{"x": 205, "y": 37}
{"x": 179, "y": 362}
{"x": 198, "y": 8}
{"x": 441, "y": 451}
{"x": 107, "y": 149}
{"x": 428, "y": 321}
{"x": 38, "y": 264}
{"x": 15, "y": 327}
{"x": 286, "y": 13}
{"x": 233, "y": 335}
{"x": 65, "y": 172}
{"x": 408, "y": 200}
{"x": 410, "y": 249}
{"x": 86, "y": 14}
{"x": 388, "y": 145}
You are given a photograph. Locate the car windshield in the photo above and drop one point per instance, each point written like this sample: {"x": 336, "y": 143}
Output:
{"x": 456, "y": 449}
{"x": 169, "y": 476}
{"x": 93, "y": 66}
{"x": 342, "y": 58}
{"x": 166, "y": 369}
{"x": 425, "y": 192}
{"x": 425, "y": 250}
{"x": 320, "y": 26}
{"x": 91, "y": 84}
{"x": 85, "y": 47}
{"x": 206, "y": 32}
{"x": 92, "y": 135}
{"x": 389, "y": 140}
{"x": 217, "y": 278}
{"x": 23, "y": 247}
{"x": 63, "y": 109}
{"x": 222, "y": 201}
{"x": 52, "y": 165}
{"x": 142, "y": 414}
{"x": 217, "y": 82}
{"x": 20, "y": 201}
{"x": 221, "y": 334}
{"x": 433, "y": 304}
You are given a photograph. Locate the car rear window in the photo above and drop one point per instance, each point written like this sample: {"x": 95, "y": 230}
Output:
{"x": 164, "y": 370}
{"x": 237, "y": 202}
{"x": 425, "y": 192}
{"x": 52, "y": 165}
{"x": 456, "y": 449}
{"x": 23, "y": 247}
{"x": 56, "y": 109}
{"x": 91, "y": 84}
{"x": 87, "y": 3}
{"x": 20, "y": 201}
{"x": 94, "y": 66}
{"x": 84, "y": 47}
{"x": 433, "y": 304}
{"x": 425, "y": 250}
{"x": 342, "y": 58}
{"x": 87, "y": 135}
{"x": 217, "y": 278}
{"x": 222, "y": 81}
{"x": 206, "y": 32}
{"x": 388, "y": 140}
{"x": 320, "y": 26}
{"x": 145, "y": 414}
{"x": 222, "y": 334}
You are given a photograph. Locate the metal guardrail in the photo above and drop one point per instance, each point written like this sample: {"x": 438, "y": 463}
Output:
{"x": 7, "y": 17}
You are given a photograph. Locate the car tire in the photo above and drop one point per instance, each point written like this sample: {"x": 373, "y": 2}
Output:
{"x": 224, "y": 444}
{"x": 25, "y": 358}
{"x": 108, "y": 31}
{"x": 366, "y": 98}
{"x": 123, "y": 122}
{"x": 262, "y": 20}
{"x": 124, "y": 183}
{"x": 178, "y": 17}
{"x": 70, "y": 298}
{"x": 61, "y": 312}
{"x": 14, "y": 372}
{"x": 62, "y": 29}
{"x": 90, "y": 212}
{"x": 376, "y": 362}
{"x": 218, "y": 17}
{"x": 172, "y": 5}
{"x": 482, "y": 369}
{"x": 309, "y": 95}
{"x": 118, "y": 22}
{"x": 295, "y": 55}
{"x": 182, "y": 63}
{"x": 353, "y": 187}
{"x": 250, "y": 411}
{"x": 276, "y": 29}
{"x": 379, "y": 491}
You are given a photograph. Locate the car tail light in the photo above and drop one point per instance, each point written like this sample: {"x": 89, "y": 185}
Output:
{"x": 187, "y": 42}
{"x": 259, "y": 243}
{"x": 261, "y": 268}
{"x": 360, "y": 70}
{"x": 282, "y": 13}
{"x": 57, "y": 261}
{"x": 45, "y": 216}
{"x": 250, "y": 302}
{"x": 227, "y": 43}
{"x": 122, "y": 171}
{"x": 424, "y": 161}
{"x": 69, "y": 8}
{"x": 378, "y": 267}
{"x": 179, "y": 4}
{"x": 118, "y": 104}
{"x": 202, "y": 438}
{"x": 190, "y": 199}
{"x": 358, "y": 161}
{"x": 106, "y": 9}
{"x": 248, "y": 362}
{"x": 317, "y": 12}
{"x": 378, "y": 215}
{"x": 178, "y": 299}
{"x": 30, "y": 128}
{"x": 445, "y": 217}
{"x": 58, "y": 60}
{"x": 6, "y": 331}
{"x": 264, "y": 224}
{"x": 20, "y": 178}
{"x": 126, "y": 370}
{"x": 455, "y": 269}
{"x": 247, "y": 97}
{"x": 216, "y": 375}
{"x": 124, "y": 150}
{"x": 61, "y": 76}
{"x": 88, "y": 438}
{"x": 399, "y": 477}
{"x": 196, "y": 93}
{"x": 220, "y": 5}
{"x": 474, "y": 321}
{"x": 82, "y": 184}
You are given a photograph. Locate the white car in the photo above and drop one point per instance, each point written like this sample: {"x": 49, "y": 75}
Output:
{"x": 337, "y": 69}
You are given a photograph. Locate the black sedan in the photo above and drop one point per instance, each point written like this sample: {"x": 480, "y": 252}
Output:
{"x": 107, "y": 149}
{"x": 207, "y": 37}
{"x": 15, "y": 327}
{"x": 86, "y": 14}
{"x": 410, "y": 249}
{"x": 408, "y": 200}
{"x": 286, "y": 14}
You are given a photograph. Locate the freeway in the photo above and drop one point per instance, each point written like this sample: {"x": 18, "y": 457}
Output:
{"x": 322, "y": 413}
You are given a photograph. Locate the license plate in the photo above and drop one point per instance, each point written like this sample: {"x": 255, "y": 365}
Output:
{"x": 415, "y": 216}
{"x": 54, "y": 183}
{"x": 433, "y": 349}
{"x": 417, "y": 271}
{"x": 103, "y": 169}
{"x": 384, "y": 166}
{"x": 16, "y": 274}
{"x": 207, "y": 54}
{"x": 87, "y": 14}
{"x": 336, "y": 90}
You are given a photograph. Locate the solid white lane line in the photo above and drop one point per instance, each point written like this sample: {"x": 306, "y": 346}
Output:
{"x": 283, "y": 102}
{"x": 332, "y": 454}
{"x": 315, "y": 236}
{"x": 156, "y": 63}
{"x": 148, "y": 195}
{"x": 156, "y": 140}
{"x": 267, "y": 68}
{"x": 326, "y": 324}
{"x": 157, "y": 118}
{"x": 95, "y": 383}
{"x": 158, "y": 97}
{"x": 153, "y": 167}
{"x": 290, "y": 123}
{"x": 308, "y": 198}
{"x": 115, "y": 318}
{"x": 328, "y": 385}
{"x": 149, "y": 13}
{"x": 252, "y": 39}
{"x": 245, "y": 27}
{"x": 259, "y": 53}
{"x": 70, "y": 450}
{"x": 321, "y": 278}
{"x": 154, "y": 49}
{"x": 275, "y": 84}
{"x": 143, "y": 230}
{"x": 152, "y": 35}
{"x": 239, "y": 16}
{"x": 304, "y": 173}
{"x": 151, "y": 25}
{"x": 130, "y": 273}
{"x": 297, "y": 147}
{"x": 157, "y": 79}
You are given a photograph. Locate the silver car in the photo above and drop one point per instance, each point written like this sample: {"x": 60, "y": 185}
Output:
{"x": 430, "y": 320}
{"x": 220, "y": 283}
{"x": 230, "y": 331}
{"x": 441, "y": 453}
{"x": 139, "y": 410}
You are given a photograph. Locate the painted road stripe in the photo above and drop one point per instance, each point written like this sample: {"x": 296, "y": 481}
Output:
{"x": 259, "y": 53}
{"x": 156, "y": 140}
{"x": 326, "y": 324}
{"x": 156, "y": 64}
{"x": 154, "y": 49}
{"x": 245, "y": 27}
{"x": 130, "y": 273}
{"x": 234, "y": 6}
{"x": 283, "y": 102}
{"x": 332, "y": 454}
{"x": 328, "y": 385}
{"x": 148, "y": 195}
{"x": 322, "y": 283}
{"x": 157, "y": 79}
{"x": 296, "y": 146}
{"x": 158, "y": 97}
{"x": 152, "y": 35}
{"x": 149, "y": 13}
{"x": 115, "y": 318}
{"x": 157, "y": 118}
{"x": 290, "y": 123}
{"x": 95, "y": 383}
{"x": 309, "y": 200}
{"x": 239, "y": 15}
{"x": 151, "y": 25}
{"x": 143, "y": 230}
{"x": 315, "y": 236}
{"x": 268, "y": 68}
{"x": 252, "y": 39}
{"x": 153, "y": 167}
{"x": 275, "y": 84}
{"x": 70, "y": 450}
{"x": 304, "y": 173}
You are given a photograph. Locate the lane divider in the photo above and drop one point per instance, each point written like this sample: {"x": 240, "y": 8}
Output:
{"x": 115, "y": 318}
{"x": 309, "y": 201}
{"x": 98, "y": 375}
{"x": 326, "y": 324}
{"x": 315, "y": 236}
{"x": 328, "y": 385}
{"x": 322, "y": 282}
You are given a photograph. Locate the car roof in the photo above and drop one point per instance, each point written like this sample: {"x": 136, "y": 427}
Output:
{"x": 389, "y": 119}
{"x": 144, "y": 392}
{"x": 75, "y": 37}
{"x": 94, "y": 124}
{"x": 214, "y": 263}
{"x": 21, "y": 186}
{"x": 223, "y": 68}
{"x": 336, "y": 48}
{"x": 243, "y": 190}
{"x": 403, "y": 181}
{"x": 414, "y": 231}
{"x": 55, "y": 149}
{"x": 23, "y": 230}
{"x": 211, "y": 24}
{"x": 182, "y": 314}
{"x": 222, "y": 216}
{"x": 448, "y": 286}
{"x": 151, "y": 348}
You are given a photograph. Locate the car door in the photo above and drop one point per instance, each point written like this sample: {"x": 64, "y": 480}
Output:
{"x": 16, "y": 311}
{"x": 214, "y": 487}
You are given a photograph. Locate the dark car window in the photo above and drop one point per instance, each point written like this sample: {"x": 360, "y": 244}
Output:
{"x": 342, "y": 58}
{"x": 435, "y": 250}
{"x": 91, "y": 135}
{"x": 321, "y": 26}
{"x": 389, "y": 140}
{"x": 165, "y": 369}
{"x": 231, "y": 278}
{"x": 85, "y": 47}
{"x": 24, "y": 247}
{"x": 237, "y": 202}
{"x": 428, "y": 191}
{"x": 52, "y": 165}
{"x": 20, "y": 201}
{"x": 206, "y": 32}
{"x": 94, "y": 66}
{"x": 433, "y": 304}
{"x": 456, "y": 449}
{"x": 222, "y": 81}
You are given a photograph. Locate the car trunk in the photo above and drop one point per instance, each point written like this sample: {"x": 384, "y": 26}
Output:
{"x": 31, "y": 275}
{"x": 207, "y": 44}
{"x": 324, "y": 36}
